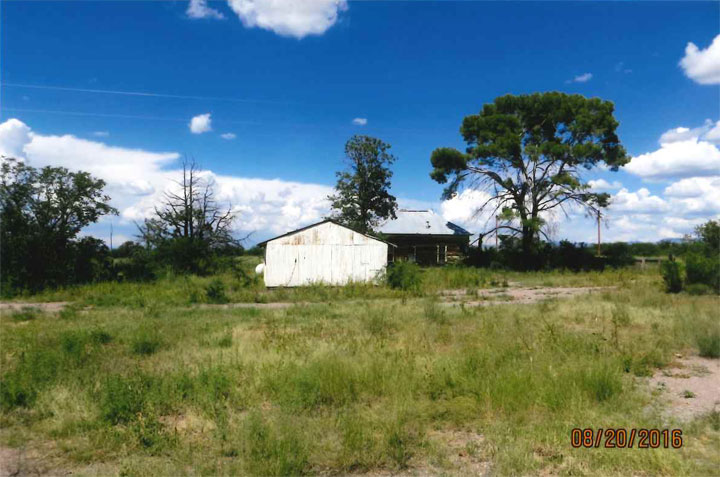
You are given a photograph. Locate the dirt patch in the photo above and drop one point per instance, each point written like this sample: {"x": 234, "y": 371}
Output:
{"x": 465, "y": 455}
{"x": 21, "y": 463}
{"x": 691, "y": 386}
{"x": 466, "y": 451}
{"x": 262, "y": 306}
{"x": 47, "y": 307}
{"x": 519, "y": 295}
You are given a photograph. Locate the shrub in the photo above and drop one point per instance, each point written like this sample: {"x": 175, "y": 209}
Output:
{"x": 698, "y": 289}
{"x": 100, "y": 337}
{"x": 404, "y": 276}
{"x": 702, "y": 269}
{"x": 121, "y": 399}
{"x": 672, "y": 273}
{"x": 434, "y": 312}
{"x": 709, "y": 343}
{"x": 145, "y": 343}
{"x": 272, "y": 451}
{"x": 215, "y": 292}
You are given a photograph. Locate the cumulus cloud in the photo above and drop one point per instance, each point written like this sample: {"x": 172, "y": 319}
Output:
{"x": 101, "y": 134}
{"x": 678, "y": 159}
{"x": 702, "y": 66}
{"x": 14, "y": 135}
{"x": 200, "y": 9}
{"x": 583, "y": 78}
{"x": 294, "y": 18}
{"x": 229, "y": 136}
{"x": 639, "y": 202}
{"x": 359, "y": 121}
{"x": 713, "y": 135}
{"x": 137, "y": 179}
{"x": 200, "y": 124}
{"x": 707, "y": 132}
{"x": 695, "y": 196}
{"x": 602, "y": 184}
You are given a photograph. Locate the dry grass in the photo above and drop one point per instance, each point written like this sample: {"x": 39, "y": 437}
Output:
{"x": 386, "y": 383}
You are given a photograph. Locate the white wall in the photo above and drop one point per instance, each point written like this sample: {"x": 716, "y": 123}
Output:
{"x": 327, "y": 253}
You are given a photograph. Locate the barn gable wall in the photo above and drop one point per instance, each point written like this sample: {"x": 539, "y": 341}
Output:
{"x": 326, "y": 253}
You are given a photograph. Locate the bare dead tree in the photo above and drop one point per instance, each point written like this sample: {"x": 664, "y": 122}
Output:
{"x": 191, "y": 211}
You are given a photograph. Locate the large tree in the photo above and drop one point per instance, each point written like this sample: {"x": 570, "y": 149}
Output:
{"x": 362, "y": 195}
{"x": 528, "y": 153}
{"x": 41, "y": 213}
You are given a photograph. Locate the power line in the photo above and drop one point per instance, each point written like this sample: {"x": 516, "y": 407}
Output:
{"x": 144, "y": 94}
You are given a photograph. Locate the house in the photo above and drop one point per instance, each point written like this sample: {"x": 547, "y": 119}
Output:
{"x": 326, "y": 252}
{"x": 425, "y": 237}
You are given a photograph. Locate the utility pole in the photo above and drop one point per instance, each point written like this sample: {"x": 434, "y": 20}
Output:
{"x": 111, "y": 234}
{"x": 598, "y": 227}
{"x": 497, "y": 224}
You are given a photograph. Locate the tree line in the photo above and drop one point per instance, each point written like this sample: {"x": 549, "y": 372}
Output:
{"x": 45, "y": 210}
{"x": 527, "y": 152}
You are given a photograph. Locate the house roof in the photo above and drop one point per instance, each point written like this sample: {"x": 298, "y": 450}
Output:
{"x": 263, "y": 243}
{"x": 420, "y": 222}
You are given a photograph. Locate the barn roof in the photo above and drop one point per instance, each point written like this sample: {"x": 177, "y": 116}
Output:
{"x": 320, "y": 223}
{"x": 420, "y": 222}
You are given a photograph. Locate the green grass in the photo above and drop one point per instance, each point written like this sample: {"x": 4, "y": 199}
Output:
{"x": 363, "y": 380}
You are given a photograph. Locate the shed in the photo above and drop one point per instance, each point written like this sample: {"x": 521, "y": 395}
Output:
{"x": 326, "y": 252}
{"x": 425, "y": 237}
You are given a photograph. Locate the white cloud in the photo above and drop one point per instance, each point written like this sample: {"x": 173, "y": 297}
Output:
{"x": 14, "y": 135}
{"x": 295, "y": 18}
{"x": 707, "y": 132}
{"x": 683, "y": 158}
{"x": 136, "y": 180}
{"x": 101, "y": 134}
{"x": 200, "y": 9}
{"x": 200, "y": 124}
{"x": 695, "y": 196}
{"x": 602, "y": 184}
{"x": 229, "y": 136}
{"x": 583, "y": 78}
{"x": 359, "y": 121}
{"x": 640, "y": 202}
{"x": 713, "y": 135}
{"x": 702, "y": 66}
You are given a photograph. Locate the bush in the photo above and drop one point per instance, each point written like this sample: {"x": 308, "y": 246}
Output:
{"x": 702, "y": 269}
{"x": 672, "y": 273}
{"x": 698, "y": 289}
{"x": 145, "y": 343}
{"x": 709, "y": 344}
{"x": 404, "y": 276}
{"x": 215, "y": 292}
{"x": 122, "y": 398}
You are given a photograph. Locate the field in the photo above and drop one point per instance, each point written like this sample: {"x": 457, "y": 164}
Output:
{"x": 186, "y": 376}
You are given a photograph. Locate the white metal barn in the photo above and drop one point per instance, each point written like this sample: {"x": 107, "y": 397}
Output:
{"x": 325, "y": 252}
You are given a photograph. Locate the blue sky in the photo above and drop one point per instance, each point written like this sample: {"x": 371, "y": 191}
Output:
{"x": 288, "y": 85}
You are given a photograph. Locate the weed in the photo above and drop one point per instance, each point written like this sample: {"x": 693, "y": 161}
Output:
{"x": 122, "y": 398}
{"x": 273, "y": 450}
{"x": 434, "y": 312}
{"x": 25, "y": 314}
{"x": 226, "y": 340}
{"x": 708, "y": 343}
{"x": 215, "y": 292}
{"x": 145, "y": 342}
